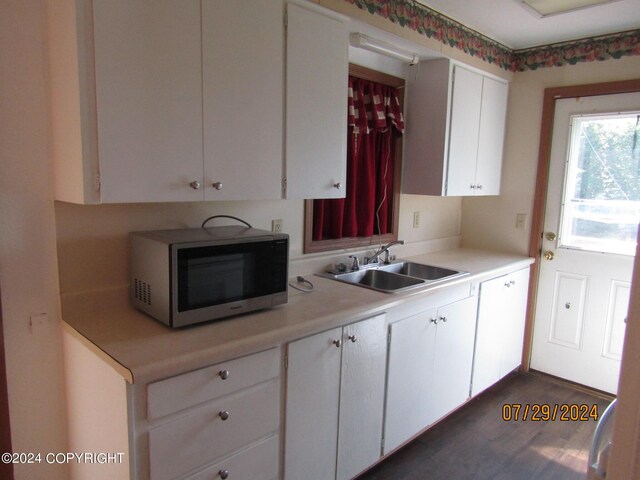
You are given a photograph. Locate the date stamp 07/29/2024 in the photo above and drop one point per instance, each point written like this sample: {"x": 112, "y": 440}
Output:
{"x": 545, "y": 412}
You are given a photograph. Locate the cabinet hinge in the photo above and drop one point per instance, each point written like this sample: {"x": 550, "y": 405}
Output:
{"x": 389, "y": 337}
{"x": 286, "y": 361}
{"x": 97, "y": 182}
{"x": 284, "y": 187}
{"x": 286, "y": 19}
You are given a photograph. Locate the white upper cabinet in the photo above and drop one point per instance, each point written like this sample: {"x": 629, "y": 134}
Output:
{"x": 159, "y": 100}
{"x": 455, "y": 131}
{"x": 316, "y": 111}
{"x": 243, "y": 90}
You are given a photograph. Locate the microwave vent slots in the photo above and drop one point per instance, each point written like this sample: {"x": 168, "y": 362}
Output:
{"x": 142, "y": 291}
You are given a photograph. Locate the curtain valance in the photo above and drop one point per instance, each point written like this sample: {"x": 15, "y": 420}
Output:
{"x": 373, "y": 107}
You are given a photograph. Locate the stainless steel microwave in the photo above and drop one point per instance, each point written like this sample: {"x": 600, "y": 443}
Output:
{"x": 187, "y": 276}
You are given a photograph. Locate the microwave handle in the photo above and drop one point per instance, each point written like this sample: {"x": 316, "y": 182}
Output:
{"x": 226, "y": 216}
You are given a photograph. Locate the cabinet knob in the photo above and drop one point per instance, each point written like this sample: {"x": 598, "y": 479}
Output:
{"x": 337, "y": 343}
{"x": 217, "y": 185}
{"x": 337, "y": 185}
{"x": 224, "y": 374}
{"x": 195, "y": 185}
{"x": 444, "y": 319}
{"x": 434, "y": 320}
{"x": 353, "y": 338}
{"x": 473, "y": 187}
{"x": 479, "y": 187}
{"x": 224, "y": 415}
{"x": 223, "y": 474}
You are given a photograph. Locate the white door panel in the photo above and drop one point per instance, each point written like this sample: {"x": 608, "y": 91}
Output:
{"x": 583, "y": 292}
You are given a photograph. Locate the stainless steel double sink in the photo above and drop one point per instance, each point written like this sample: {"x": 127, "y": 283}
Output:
{"x": 396, "y": 276}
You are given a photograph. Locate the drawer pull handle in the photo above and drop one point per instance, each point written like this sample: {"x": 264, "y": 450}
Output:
{"x": 224, "y": 374}
{"x": 224, "y": 415}
{"x": 353, "y": 338}
{"x": 223, "y": 474}
{"x": 444, "y": 319}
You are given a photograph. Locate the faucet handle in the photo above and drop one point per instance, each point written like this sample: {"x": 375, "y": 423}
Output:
{"x": 356, "y": 263}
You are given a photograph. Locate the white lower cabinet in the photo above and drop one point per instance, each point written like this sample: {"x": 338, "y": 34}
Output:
{"x": 219, "y": 422}
{"x": 499, "y": 338}
{"x": 335, "y": 401}
{"x": 430, "y": 363}
{"x": 353, "y": 394}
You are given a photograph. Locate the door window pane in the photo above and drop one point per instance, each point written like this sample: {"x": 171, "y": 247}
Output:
{"x": 601, "y": 206}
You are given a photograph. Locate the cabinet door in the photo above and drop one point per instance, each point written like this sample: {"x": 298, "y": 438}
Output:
{"x": 316, "y": 112}
{"x": 409, "y": 378}
{"x": 364, "y": 356}
{"x": 513, "y": 319}
{"x": 466, "y": 101}
{"x": 313, "y": 390}
{"x": 149, "y": 99}
{"x": 491, "y": 137}
{"x": 453, "y": 361}
{"x": 489, "y": 335}
{"x": 500, "y": 331}
{"x": 243, "y": 92}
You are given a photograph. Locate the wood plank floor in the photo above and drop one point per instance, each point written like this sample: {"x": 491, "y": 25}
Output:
{"x": 474, "y": 443}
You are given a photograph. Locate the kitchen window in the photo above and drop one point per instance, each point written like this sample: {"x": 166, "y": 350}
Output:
{"x": 368, "y": 215}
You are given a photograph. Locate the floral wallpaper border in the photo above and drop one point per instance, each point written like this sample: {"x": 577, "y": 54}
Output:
{"x": 432, "y": 24}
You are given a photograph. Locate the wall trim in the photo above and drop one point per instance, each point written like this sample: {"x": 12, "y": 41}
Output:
{"x": 434, "y": 25}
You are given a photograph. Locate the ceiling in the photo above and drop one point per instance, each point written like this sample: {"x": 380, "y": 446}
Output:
{"x": 516, "y": 27}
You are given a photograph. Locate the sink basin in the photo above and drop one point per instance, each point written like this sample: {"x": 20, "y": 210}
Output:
{"x": 421, "y": 270}
{"x": 377, "y": 279}
{"x": 396, "y": 276}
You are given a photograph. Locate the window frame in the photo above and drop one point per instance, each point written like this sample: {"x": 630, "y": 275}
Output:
{"x": 313, "y": 246}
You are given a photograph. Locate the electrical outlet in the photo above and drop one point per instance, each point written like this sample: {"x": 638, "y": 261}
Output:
{"x": 416, "y": 219}
{"x": 521, "y": 221}
{"x": 276, "y": 225}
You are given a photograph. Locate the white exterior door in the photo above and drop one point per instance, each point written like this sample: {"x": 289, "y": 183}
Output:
{"x": 589, "y": 239}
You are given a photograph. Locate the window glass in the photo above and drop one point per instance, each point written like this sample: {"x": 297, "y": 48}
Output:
{"x": 601, "y": 207}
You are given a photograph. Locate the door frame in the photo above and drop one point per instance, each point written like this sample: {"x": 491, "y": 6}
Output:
{"x": 625, "y": 454}
{"x": 542, "y": 183}
{"x": 6, "y": 469}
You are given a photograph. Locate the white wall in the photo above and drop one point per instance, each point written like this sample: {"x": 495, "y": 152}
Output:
{"x": 28, "y": 267}
{"x": 489, "y": 222}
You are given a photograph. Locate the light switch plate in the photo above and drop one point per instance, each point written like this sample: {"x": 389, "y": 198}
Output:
{"x": 521, "y": 221}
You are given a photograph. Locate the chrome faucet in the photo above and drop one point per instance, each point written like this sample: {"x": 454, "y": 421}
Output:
{"x": 385, "y": 250}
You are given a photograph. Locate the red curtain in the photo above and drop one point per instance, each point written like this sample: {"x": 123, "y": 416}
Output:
{"x": 374, "y": 124}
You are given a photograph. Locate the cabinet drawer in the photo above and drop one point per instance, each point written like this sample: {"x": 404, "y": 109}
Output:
{"x": 258, "y": 462}
{"x": 177, "y": 393}
{"x": 201, "y": 436}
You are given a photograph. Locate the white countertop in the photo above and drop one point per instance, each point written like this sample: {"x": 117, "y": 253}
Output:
{"x": 142, "y": 349}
